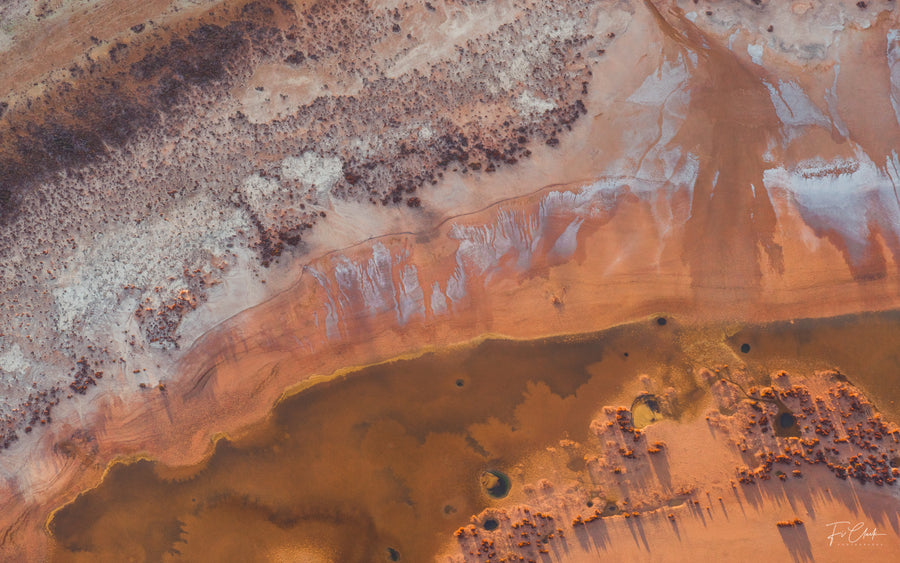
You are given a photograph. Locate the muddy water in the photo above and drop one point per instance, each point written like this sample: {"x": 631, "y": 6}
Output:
{"x": 384, "y": 463}
{"x": 865, "y": 348}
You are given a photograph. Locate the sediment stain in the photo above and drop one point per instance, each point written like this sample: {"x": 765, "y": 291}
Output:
{"x": 729, "y": 123}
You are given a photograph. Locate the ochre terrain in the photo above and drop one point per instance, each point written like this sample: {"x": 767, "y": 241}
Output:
{"x": 205, "y": 204}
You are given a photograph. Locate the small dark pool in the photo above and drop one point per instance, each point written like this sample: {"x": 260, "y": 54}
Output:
{"x": 786, "y": 420}
{"x": 496, "y": 483}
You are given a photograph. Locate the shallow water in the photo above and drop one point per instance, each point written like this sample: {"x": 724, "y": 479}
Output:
{"x": 865, "y": 348}
{"x": 384, "y": 463}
